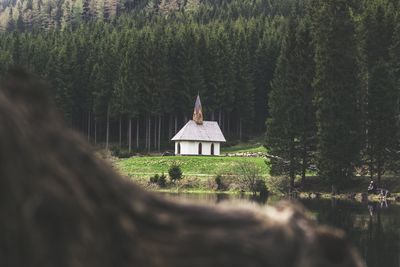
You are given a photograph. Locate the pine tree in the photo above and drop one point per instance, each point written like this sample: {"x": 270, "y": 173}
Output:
{"x": 382, "y": 95}
{"x": 291, "y": 127}
{"x": 383, "y": 106}
{"x": 337, "y": 85}
{"x": 281, "y": 125}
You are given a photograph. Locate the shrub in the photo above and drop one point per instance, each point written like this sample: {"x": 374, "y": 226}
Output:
{"x": 162, "y": 181}
{"x": 175, "y": 172}
{"x": 120, "y": 153}
{"x": 278, "y": 184}
{"x": 189, "y": 183}
{"x": 248, "y": 174}
{"x": 218, "y": 181}
{"x": 154, "y": 179}
{"x": 261, "y": 187}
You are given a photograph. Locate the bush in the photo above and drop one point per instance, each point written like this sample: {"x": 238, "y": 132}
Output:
{"x": 261, "y": 187}
{"x": 189, "y": 183}
{"x": 279, "y": 184}
{"x": 218, "y": 182}
{"x": 162, "y": 181}
{"x": 175, "y": 172}
{"x": 248, "y": 175}
{"x": 120, "y": 153}
{"x": 154, "y": 179}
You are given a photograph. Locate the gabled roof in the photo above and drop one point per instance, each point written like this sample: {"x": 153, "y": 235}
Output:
{"x": 208, "y": 131}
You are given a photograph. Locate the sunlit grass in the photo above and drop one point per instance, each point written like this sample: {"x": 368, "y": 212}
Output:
{"x": 191, "y": 165}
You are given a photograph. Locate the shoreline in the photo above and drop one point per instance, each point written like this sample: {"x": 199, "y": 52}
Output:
{"x": 394, "y": 197}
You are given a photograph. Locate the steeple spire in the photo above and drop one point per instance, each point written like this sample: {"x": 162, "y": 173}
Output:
{"x": 198, "y": 111}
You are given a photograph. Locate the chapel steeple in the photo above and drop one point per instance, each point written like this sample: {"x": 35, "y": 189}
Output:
{"x": 198, "y": 112}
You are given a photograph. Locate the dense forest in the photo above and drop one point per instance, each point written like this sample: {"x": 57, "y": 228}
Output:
{"x": 321, "y": 77}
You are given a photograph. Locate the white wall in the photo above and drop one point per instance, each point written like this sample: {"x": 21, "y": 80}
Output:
{"x": 192, "y": 148}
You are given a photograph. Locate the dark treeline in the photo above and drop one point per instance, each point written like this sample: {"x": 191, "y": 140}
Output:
{"x": 324, "y": 74}
{"x": 334, "y": 101}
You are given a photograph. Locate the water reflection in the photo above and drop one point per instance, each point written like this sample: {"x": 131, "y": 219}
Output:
{"x": 373, "y": 227}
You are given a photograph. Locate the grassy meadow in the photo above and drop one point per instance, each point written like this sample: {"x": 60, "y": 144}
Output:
{"x": 192, "y": 166}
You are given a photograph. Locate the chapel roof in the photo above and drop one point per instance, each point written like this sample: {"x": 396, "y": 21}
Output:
{"x": 208, "y": 131}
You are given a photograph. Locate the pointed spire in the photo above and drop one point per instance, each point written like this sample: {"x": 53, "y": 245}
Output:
{"x": 198, "y": 112}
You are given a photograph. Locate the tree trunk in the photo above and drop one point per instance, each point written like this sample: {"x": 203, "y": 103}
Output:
{"x": 176, "y": 124}
{"x": 229, "y": 123}
{"x": 137, "y": 133}
{"x": 169, "y": 127}
{"x": 304, "y": 164}
{"x": 130, "y": 135}
{"x": 223, "y": 122}
{"x": 240, "y": 129}
{"x": 108, "y": 127}
{"x": 291, "y": 164}
{"x": 155, "y": 132}
{"x": 146, "y": 126}
{"x": 89, "y": 122}
{"x": 379, "y": 172}
{"x": 220, "y": 118}
{"x": 149, "y": 135}
{"x": 120, "y": 131}
{"x": 95, "y": 131}
{"x": 159, "y": 133}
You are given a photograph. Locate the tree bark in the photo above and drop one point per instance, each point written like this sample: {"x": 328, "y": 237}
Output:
{"x": 137, "y": 133}
{"x": 120, "y": 131}
{"x": 229, "y": 123}
{"x": 149, "y": 135}
{"x": 108, "y": 127}
{"x": 155, "y": 132}
{"x": 146, "y": 126}
{"x": 89, "y": 122}
{"x": 159, "y": 132}
{"x": 304, "y": 163}
{"x": 291, "y": 164}
{"x": 223, "y": 122}
{"x": 130, "y": 135}
{"x": 176, "y": 124}
{"x": 379, "y": 172}
{"x": 169, "y": 127}
{"x": 95, "y": 131}
{"x": 240, "y": 129}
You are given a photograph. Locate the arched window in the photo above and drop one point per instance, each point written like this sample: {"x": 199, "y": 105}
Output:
{"x": 212, "y": 149}
{"x": 200, "y": 149}
{"x": 179, "y": 148}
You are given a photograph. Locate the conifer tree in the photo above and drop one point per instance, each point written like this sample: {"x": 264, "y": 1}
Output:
{"x": 291, "y": 127}
{"x": 337, "y": 84}
{"x": 382, "y": 95}
{"x": 383, "y": 106}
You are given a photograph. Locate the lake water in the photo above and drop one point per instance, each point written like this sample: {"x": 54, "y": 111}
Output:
{"x": 372, "y": 227}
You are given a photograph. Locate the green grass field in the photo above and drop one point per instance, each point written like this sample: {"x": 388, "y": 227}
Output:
{"x": 253, "y": 146}
{"x": 144, "y": 167}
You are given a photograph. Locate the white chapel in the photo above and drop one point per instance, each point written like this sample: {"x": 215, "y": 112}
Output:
{"x": 199, "y": 137}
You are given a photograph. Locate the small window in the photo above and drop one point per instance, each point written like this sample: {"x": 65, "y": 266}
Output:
{"x": 179, "y": 148}
{"x": 212, "y": 149}
{"x": 200, "y": 149}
